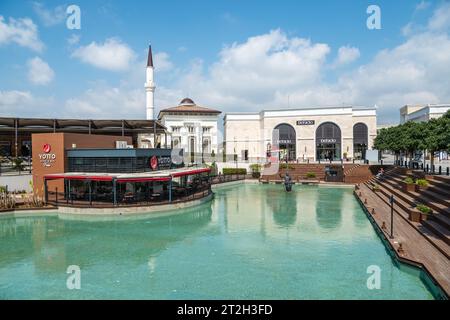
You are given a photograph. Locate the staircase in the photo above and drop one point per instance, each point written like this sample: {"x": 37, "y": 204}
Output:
{"x": 362, "y": 173}
{"x": 297, "y": 172}
{"x": 437, "y": 196}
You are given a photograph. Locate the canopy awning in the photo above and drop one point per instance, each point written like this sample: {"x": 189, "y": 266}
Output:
{"x": 165, "y": 175}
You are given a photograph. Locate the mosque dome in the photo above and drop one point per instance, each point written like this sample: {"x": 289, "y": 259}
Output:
{"x": 187, "y": 101}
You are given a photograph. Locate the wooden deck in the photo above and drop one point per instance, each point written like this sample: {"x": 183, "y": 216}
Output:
{"x": 416, "y": 248}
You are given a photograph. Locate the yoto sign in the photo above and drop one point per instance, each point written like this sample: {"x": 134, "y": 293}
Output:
{"x": 47, "y": 158}
{"x": 154, "y": 162}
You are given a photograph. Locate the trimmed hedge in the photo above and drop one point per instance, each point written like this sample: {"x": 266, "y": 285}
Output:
{"x": 234, "y": 171}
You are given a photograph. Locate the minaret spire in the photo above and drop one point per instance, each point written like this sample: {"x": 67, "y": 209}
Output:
{"x": 150, "y": 57}
{"x": 150, "y": 86}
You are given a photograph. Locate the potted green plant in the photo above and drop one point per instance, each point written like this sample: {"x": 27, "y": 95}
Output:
{"x": 414, "y": 215}
{"x": 408, "y": 184}
{"x": 256, "y": 170}
{"x": 345, "y": 156}
{"x": 425, "y": 211}
{"x": 422, "y": 184}
{"x": 376, "y": 187}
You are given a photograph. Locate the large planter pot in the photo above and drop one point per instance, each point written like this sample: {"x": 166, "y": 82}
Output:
{"x": 424, "y": 216}
{"x": 414, "y": 215}
{"x": 418, "y": 188}
{"x": 256, "y": 175}
{"x": 409, "y": 187}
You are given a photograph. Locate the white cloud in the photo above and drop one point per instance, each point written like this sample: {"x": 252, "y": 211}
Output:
{"x": 112, "y": 55}
{"x": 422, "y": 5}
{"x": 441, "y": 18}
{"x": 39, "y": 72}
{"x": 73, "y": 39}
{"x": 20, "y": 31}
{"x": 105, "y": 102}
{"x": 346, "y": 55}
{"x": 49, "y": 17}
{"x": 16, "y": 103}
{"x": 162, "y": 61}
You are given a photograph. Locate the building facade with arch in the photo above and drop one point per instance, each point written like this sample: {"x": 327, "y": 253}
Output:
{"x": 300, "y": 135}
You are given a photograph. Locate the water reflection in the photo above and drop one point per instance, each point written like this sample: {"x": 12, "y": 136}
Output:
{"x": 53, "y": 244}
{"x": 283, "y": 206}
{"x": 329, "y": 209}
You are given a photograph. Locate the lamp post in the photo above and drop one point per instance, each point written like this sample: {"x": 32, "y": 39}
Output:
{"x": 391, "y": 201}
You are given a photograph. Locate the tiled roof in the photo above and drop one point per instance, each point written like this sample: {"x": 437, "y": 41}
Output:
{"x": 190, "y": 108}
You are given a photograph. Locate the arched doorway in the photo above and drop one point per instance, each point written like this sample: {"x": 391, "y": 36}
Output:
{"x": 360, "y": 140}
{"x": 286, "y": 141}
{"x": 328, "y": 142}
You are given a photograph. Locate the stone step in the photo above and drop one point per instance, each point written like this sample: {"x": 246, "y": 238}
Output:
{"x": 443, "y": 232}
{"x": 438, "y": 197}
{"x": 414, "y": 197}
{"x": 402, "y": 208}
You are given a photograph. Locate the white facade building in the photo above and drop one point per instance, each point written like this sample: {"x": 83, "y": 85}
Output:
{"x": 306, "y": 134}
{"x": 419, "y": 113}
{"x": 191, "y": 127}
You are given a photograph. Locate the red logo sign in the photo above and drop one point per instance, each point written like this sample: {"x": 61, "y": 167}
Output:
{"x": 154, "y": 162}
{"x": 47, "y": 148}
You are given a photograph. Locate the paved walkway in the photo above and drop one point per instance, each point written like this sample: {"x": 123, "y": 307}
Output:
{"x": 415, "y": 246}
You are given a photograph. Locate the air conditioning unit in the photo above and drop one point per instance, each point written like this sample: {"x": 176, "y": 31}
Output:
{"x": 121, "y": 145}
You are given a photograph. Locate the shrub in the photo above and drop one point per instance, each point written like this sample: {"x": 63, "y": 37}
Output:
{"x": 376, "y": 187}
{"x": 310, "y": 175}
{"x": 424, "y": 209}
{"x": 234, "y": 171}
{"x": 408, "y": 180}
{"x": 422, "y": 182}
{"x": 286, "y": 166}
{"x": 256, "y": 170}
{"x": 2, "y": 189}
{"x": 213, "y": 168}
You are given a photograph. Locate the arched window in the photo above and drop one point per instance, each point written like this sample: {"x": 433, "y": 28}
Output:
{"x": 286, "y": 141}
{"x": 328, "y": 142}
{"x": 360, "y": 140}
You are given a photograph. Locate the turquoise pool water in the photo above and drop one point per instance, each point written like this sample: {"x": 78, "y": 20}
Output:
{"x": 250, "y": 242}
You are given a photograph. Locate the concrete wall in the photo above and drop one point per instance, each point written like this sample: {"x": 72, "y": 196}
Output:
{"x": 17, "y": 182}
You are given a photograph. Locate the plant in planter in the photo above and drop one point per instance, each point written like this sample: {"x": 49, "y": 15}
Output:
{"x": 310, "y": 175}
{"x": 256, "y": 170}
{"x": 345, "y": 156}
{"x": 421, "y": 184}
{"x": 425, "y": 211}
{"x": 408, "y": 184}
{"x": 376, "y": 187}
{"x": 414, "y": 215}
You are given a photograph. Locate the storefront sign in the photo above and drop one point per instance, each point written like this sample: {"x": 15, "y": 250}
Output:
{"x": 47, "y": 158}
{"x": 154, "y": 163}
{"x": 160, "y": 163}
{"x": 285, "y": 142}
{"x": 327, "y": 140}
{"x": 305, "y": 122}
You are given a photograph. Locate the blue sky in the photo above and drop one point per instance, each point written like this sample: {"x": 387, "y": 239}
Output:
{"x": 229, "y": 55}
